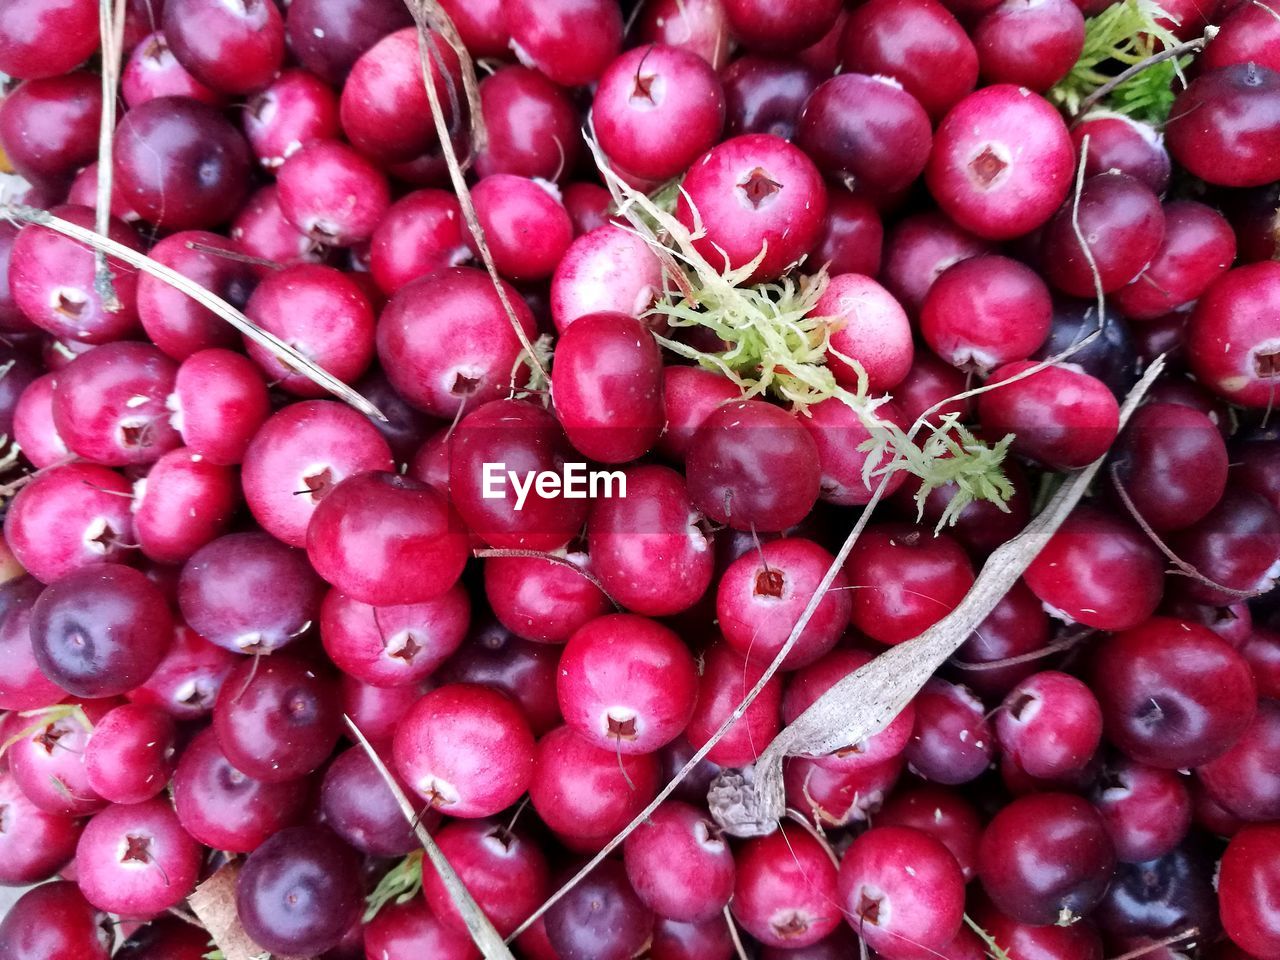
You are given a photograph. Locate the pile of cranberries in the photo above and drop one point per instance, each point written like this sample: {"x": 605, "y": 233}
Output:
{"x": 209, "y": 561}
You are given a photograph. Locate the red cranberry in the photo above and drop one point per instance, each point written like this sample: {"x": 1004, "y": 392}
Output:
{"x": 1076, "y": 941}
{"x": 1247, "y": 34}
{"x": 1049, "y": 724}
{"x": 295, "y": 109}
{"x": 231, "y": 47}
{"x": 524, "y": 671}
{"x": 1231, "y": 348}
{"x": 23, "y": 686}
{"x": 332, "y": 194}
{"x": 1118, "y": 142}
{"x": 328, "y": 36}
{"x": 186, "y": 682}
{"x": 626, "y": 684}
{"x": 1225, "y": 127}
{"x": 756, "y": 196}
{"x": 47, "y": 762}
{"x": 1002, "y": 161}
{"x": 55, "y": 922}
{"x": 902, "y": 891}
{"x": 766, "y": 95}
{"x": 47, "y": 126}
{"x": 1244, "y": 780}
{"x": 588, "y": 205}
{"x": 1031, "y": 43}
{"x": 261, "y": 230}
{"x": 837, "y": 798}
{"x": 727, "y": 677}
{"x": 411, "y": 929}
{"x": 679, "y": 864}
{"x": 649, "y": 549}
{"x": 180, "y": 163}
{"x": 1237, "y": 545}
{"x": 904, "y": 581}
{"x": 518, "y": 434}
{"x": 1046, "y": 858}
{"x": 586, "y": 794}
{"x": 766, "y": 27}
{"x": 182, "y": 504}
{"x": 153, "y": 71}
{"x": 43, "y": 39}
{"x": 219, "y": 401}
{"x": 699, "y": 26}
{"x": 608, "y": 269}
{"x": 1198, "y": 247}
{"x": 839, "y": 433}
{"x": 785, "y": 890}
{"x": 421, "y": 233}
{"x": 34, "y": 844}
{"x": 952, "y": 741}
{"x": 599, "y": 919}
{"x": 941, "y": 813}
{"x": 1146, "y": 810}
{"x": 1016, "y": 626}
{"x": 1247, "y": 875}
{"x": 852, "y": 237}
{"x": 571, "y": 41}
{"x": 545, "y": 600}
{"x": 919, "y": 248}
{"x": 532, "y": 125}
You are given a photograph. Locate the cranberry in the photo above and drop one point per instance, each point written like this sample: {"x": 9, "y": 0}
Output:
{"x": 545, "y": 600}
{"x": 466, "y": 750}
{"x": 904, "y": 581}
{"x": 411, "y": 929}
{"x": 608, "y": 269}
{"x": 1198, "y": 247}
{"x": 1016, "y": 626}
{"x": 166, "y": 937}
{"x": 679, "y": 865}
{"x": 129, "y": 757}
{"x": 1231, "y": 349}
{"x": 299, "y": 891}
{"x": 785, "y": 890}
{"x": 182, "y": 504}
{"x": 34, "y": 844}
{"x": 55, "y": 922}
{"x": 136, "y": 860}
{"x": 586, "y": 794}
{"x": 571, "y": 41}
{"x": 524, "y": 671}
{"x": 1119, "y": 142}
{"x": 47, "y": 762}
{"x": 852, "y": 237}
{"x": 726, "y": 679}
{"x": 1237, "y": 544}
{"x": 51, "y": 279}
{"x": 332, "y": 194}
{"x": 840, "y": 433}
{"x": 1049, "y": 724}
{"x": 837, "y": 798}
{"x": 941, "y": 813}
{"x": 1046, "y": 857}
{"x": 221, "y": 593}
{"x": 231, "y": 47}
{"x": 588, "y": 205}
{"x": 360, "y": 808}
{"x": 481, "y": 26}
{"x": 377, "y": 711}
{"x": 1247, "y": 34}
{"x": 1245, "y": 880}
{"x": 421, "y": 233}
{"x": 1031, "y": 43}
{"x": 648, "y": 92}
{"x": 226, "y": 809}
{"x": 728, "y": 473}
{"x": 902, "y": 891}
{"x": 473, "y": 363}
{"x": 532, "y": 125}
{"x": 47, "y": 126}
{"x": 261, "y": 230}
{"x": 328, "y": 36}
{"x": 599, "y": 919}
{"x": 766, "y": 27}
{"x": 295, "y": 109}
{"x": 1225, "y": 127}
{"x": 1001, "y": 162}
{"x": 981, "y": 526}
{"x": 153, "y": 71}
{"x": 766, "y": 95}
{"x": 916, "y": 42}
{"x": 689, "y": 395}
{"x": 1076, "y": 941}
{"x": 43, "y": 39}
{"x": 626, "y": 684}
{"x": 805, "y": 687}
{"x": 1170, "y": 893}
{"x": 180, "y": 163}
{"x": 186, "y": 682}
{"x": 505, "y": 872}
{"x": 700, "y": 26}
{"x": 393, "y": 645}
{"x": 756, "y": 196}
{"x": 1146, "y": 810}
{"x": 1243, "y": 781}
{"x": 704, "y": 940}
{"x": 952, "y": 741}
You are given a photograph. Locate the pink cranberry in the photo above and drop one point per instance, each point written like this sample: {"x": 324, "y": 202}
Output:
{"x": 261, "y": 230}
{"x": 332, "y": 194}
{"x": 130, "y": 754}
{"x": 608, "y": 269}
{"x": 186, "y": 682}
{"x": 421, "y": 233}
{"x": 409, "y": 928}
{"x": 679, "y": 864}
{"x": 1031, "y": 43}
{"x": 689, "y": 394}
{"x": 571, "y": 41}
{"x": 218, "y": 403}
{"x": 943, "y": 814}
{"x": 918, "y": 249}
{"x": 852, "y": 237}
{"x": 872, "y": 330}
{"x": 952, "y": 741}
{"x": 1049, "y": 724}
{"x": 231, "y": 47}
{"x": 1118, "y": 142}
{"x": 33, "y": 428}
{"x": 28, "y": 28}
{"x": 295, "y": 109}
{"x": 726, "y": 679}
{"x": 182, "y": 504}
{"x": 699, "y": 26}
{"x": 1198, "y": 247}
{"x": 532, "y": 125}
{"x": 543, "y": 600}
{"x": 153, "y": 71}
{"x": 1248, "y": 871}
{"x": 785, "y": 889}
{"x": 34, "y": 844}
{"x": 1243, "y": 781}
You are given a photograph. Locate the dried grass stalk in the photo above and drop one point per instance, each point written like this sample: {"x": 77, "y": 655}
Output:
{"x": 111, "y": 33}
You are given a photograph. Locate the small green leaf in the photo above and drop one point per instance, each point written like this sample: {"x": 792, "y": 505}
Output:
{"x": 400, "y": 884}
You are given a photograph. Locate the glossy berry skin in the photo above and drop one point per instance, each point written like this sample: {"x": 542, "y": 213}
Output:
{"x": 1123, "y": 224}
{"x": 904, "y": 581}
{"x": 153, "y": 71}
{"x": 679, "y": 864}
{"x": 524, "y": 671}
{"x": 220, "y": 593}
{"x": 46, "y": 126}
{"x": 917, "y": 250}
{"x": 233, "y": 49}
{"x": 607, "y": 387}
{"x": 586, "y": 794}
{"x": 872, "y": 330}
{"x": 1173, "y": 694}
{"x": 838, "y": 798}
{"x": 1225, "y": 127}
{"x": 393, "y": 646}
{"x": 755, "y": 195}
{"x": 1171, "y": 461}
{"x": 1002, "y": 162}
{"x": 1231, "y": 348}
{"x": 466, "y": 750}
{"x": 295, "y": 109}
{"x": 1098, "y": 570}
{"x": 55, "y": 922}
{"x": 1198, "y": 247}
{"x": 180, "y": 164}
{"x": 48, "y": 763}
{"x": 532, "y": 124}
{"x": 299, "y": 891}
{"x": 768, "y": 28}
{"x": 902, "y": 890}
{"x": 571, "y": 41}
{"x": 68, "y": 517}
{"x": 1060, "y": 416}
{"x": 1146, "y": 810}
{"x": 421, "y": 233}
{"x": 130, "y": 753}
{"x": 173, "y": 321}
{"x": 542, "y": 599}
{"x": 51, "y": 281}
{"x": 135, "y": 860}
{"x": 322, "y": 314}
{"x": 1045, "y": 856}
{"x": 219, "y": 401}
{"x": 182, "y": 504}
{"x": 600, "y": 919}
{"x": 186, "y": 682}
{"x": 605, "y": 269}
{"x": 226, "y": 809}
{"x": 699, "y": 26}
{"x": 167, "y": 938}
{"x": 766, "y": 94}
{"x": 506, "y": 872}
{"x": 277, "y": 720}
{"x": 762, "y": 594}
{"x": 34, "y": 844}
{"x": 941, "y": 813}
{"x": 359, "y": 807}
{"x": 626, "y": 684}
{"x": 1049, "y": 724}
{"x": 785, "y": 889}
{"x": 952, "y": 741}
{"x": 311, "y": 446}
{"x": 261, "y": 230}
{"x": 26, "y": 27}
{"x": 33, "y": 428}
{"x": 410, "y": 928}
{"x": 525, "y": 437}
{"x": 385, "y": 539}
{"x": 100, "y": 631}
{"x": 525, "y": 224}
{"x": 316, "y": 187}
{"x": 1243, "y": 781}
{"x": 1246, "y": 890}
{"x": 726, "y": 679}
{"x": 839, "y": 431}
{"x": 1031, "y": 43}
{"x": 447, "y": 344}
{"x": 726, "y": 467}
{"x": 852, "y": 238}
{"x": 328, "y": 36}
{"x": 649, "y": 549}
{"x": 649, "y": 91}
{"x": 1079, "y": 941}
{"x": 1236, "y": 545}
{"x": 916, "y": 42}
